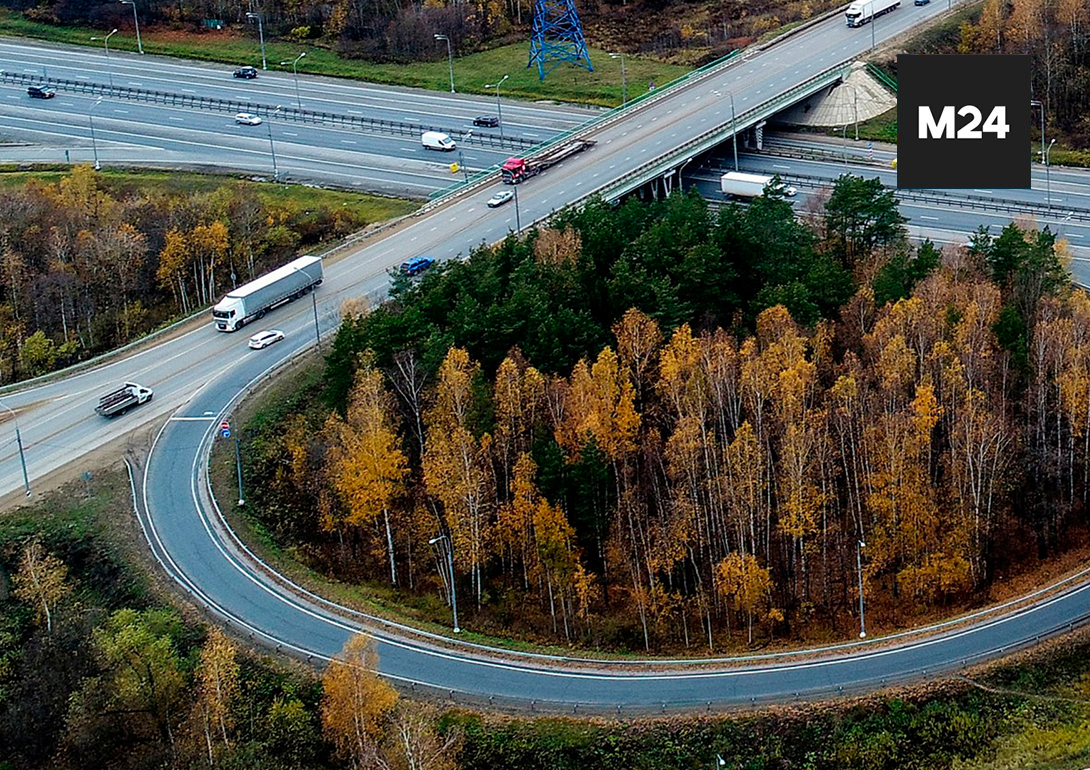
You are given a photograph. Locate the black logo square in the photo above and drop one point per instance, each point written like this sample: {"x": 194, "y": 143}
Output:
{"x": 963, "y": 121}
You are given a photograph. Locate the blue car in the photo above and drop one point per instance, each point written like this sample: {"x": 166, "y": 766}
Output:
{"x": 416, "y": 266}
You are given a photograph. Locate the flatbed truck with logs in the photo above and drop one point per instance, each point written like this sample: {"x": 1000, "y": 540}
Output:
{"x": 516, "y": 170}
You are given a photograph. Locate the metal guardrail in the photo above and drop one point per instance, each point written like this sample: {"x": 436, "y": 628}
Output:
{"x": 213, "y": 104}
{"x": 880, "y": 75}
{"x": 694, "y": 146}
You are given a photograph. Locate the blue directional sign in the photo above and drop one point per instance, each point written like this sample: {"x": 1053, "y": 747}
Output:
{"x": 225, "y": 429}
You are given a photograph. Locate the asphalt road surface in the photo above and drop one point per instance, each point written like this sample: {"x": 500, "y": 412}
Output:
{"x": 197, "y": 374}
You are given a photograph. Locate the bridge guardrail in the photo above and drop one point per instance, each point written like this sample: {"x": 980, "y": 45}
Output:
{"x": 684, "y": 148}
{"x": 215, "y": 104}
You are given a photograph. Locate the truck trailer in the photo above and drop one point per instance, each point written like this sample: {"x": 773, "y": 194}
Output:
{"x": 516, "y": 170}
{"x": 256, "y": 298}
{"x": 748, "y": 185}
{"x": 123, "y": 399}
{"x": 862, "y": 11}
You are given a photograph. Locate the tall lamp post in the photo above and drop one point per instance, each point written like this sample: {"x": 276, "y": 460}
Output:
{"x": 1048, "y": 181}
{"x": 859, "y": 546}
{"x": 499, "y": 113}
{"x": 855, "y": 110}
{"x": 261, "y": 36}
{"x": 19, "y": 443}
{"x": 450, "y": 567}
{"x": 91, "y": 120}
{"x": 106, "y": 43}
{"x": 624, "y": 82}
{"x": 518, "y": 219}
{"x": 450, "y": 59}
{"x": 461, "y": 160}
{"x": 1041, "y": 107}
{"x": 733, "y": 131}
{"x": 314, "y": 304}
{"x": 295, "y": 74}
{"x": 844, "y": 143}
{"x": 136, "y": 21}
{"x": 272, "y": 150}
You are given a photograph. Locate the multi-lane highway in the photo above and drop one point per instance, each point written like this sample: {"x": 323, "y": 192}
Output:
{"x": 137, "y": 132}
{"x": 197, "y": 376}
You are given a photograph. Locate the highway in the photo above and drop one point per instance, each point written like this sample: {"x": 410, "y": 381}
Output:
{"x": 134, "y": 132}
{"x": 198, "y": 374}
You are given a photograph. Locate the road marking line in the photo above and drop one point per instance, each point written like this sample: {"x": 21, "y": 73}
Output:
{"x": 193, "y": 419}
{"x": 933, "y": 219}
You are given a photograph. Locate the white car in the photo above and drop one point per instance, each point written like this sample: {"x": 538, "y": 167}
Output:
{"x": 500, "y": 198}
{"x": 247, "y": 119}
{"x": 265, "y": 338}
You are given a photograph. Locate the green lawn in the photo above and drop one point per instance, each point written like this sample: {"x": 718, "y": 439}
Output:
{"x": 471, "y": 73}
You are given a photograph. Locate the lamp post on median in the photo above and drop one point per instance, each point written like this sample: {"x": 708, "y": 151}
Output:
{"x": 136, "y": 21}
{"x": 450, "y": 59}
{"x": 295, "y": 74}
{"x": 1048, "y": 181}
{"x": 624, "y": 82}
{"x": 450, "y": 567}
{"x": 461, "y": 160}
{"x": 19, "y": 443}
{"x": 91, "y": 120}
{"x": 261, "y": 36}
{"x": 499, "y": 113}
{"x": 106, "y": 43}
{"x": 859, "y": 546}
{"x": 844, "y": 143}
{"x": 272, "y": 150}
{"x": 855, "y": 109}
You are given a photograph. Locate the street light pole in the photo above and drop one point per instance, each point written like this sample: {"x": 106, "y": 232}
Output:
{"x": 855, "y": 108}
{"x": 91, "y": 120}
{"x": 1048, "y": 181}
{"x": 295, "y": 74}
{"x": 450, "y": 59}
{"x": 624, "y": 82}
{"x": 19, "y": 443}
{"x": 733, "y": 131}
{"x": 1040, "y": 106}
{"x": 314, "y": 305}
{"x": 461, "y": 160}
{"x": 261, "y": 36}
{"x": 106, "y": 43}
{"x": 499, "y": 112}
{"x": 518, "y": 219}
{"x": 844, "y": 143}
{"x": 136, "y": 21}
{"x": 238, "y": 466}
{"x": 859, "y": 546}
{"x": 272, "y": 150}
{"x": 450, "y": 567}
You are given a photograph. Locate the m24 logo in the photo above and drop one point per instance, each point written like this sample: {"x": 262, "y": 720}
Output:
{"x": 944, "y": 127}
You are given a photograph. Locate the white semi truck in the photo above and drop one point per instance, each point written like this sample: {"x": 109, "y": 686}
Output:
{"x": 254, "y": 299}
{"x": 747, "y": 185}
{"x": 862, "y": 11}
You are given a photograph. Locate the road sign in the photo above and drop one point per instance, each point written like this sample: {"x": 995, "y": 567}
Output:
{"x": 225, "y": 429}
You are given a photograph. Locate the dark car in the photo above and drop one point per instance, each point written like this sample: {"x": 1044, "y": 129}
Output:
{"x": 922, "y": 2}
{"x": 41, "y": 92}
{"x": 416, "y": 266}
{"x": 489, "y": 121}
{"x": 246, "y": 72}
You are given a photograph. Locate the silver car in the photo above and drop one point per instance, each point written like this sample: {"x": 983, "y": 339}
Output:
{"x": 247, "y": 119}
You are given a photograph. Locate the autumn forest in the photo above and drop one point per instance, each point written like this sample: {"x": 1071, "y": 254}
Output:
{"x": 660, "y": 427}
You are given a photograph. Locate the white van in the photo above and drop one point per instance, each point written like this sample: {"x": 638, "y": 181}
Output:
{"x": 436, "y": 140}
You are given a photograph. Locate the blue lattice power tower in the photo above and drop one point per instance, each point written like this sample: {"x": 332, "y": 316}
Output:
{"x": 557, "y": 37}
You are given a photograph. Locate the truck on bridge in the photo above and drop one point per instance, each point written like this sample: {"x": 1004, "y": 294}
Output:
{"x": 515, "y": 170}
{"x": 749, "y": 185}
{"x": 862, "y": 11}
{"x": 123, "y": 399}
{"x": 254, "y": 299}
